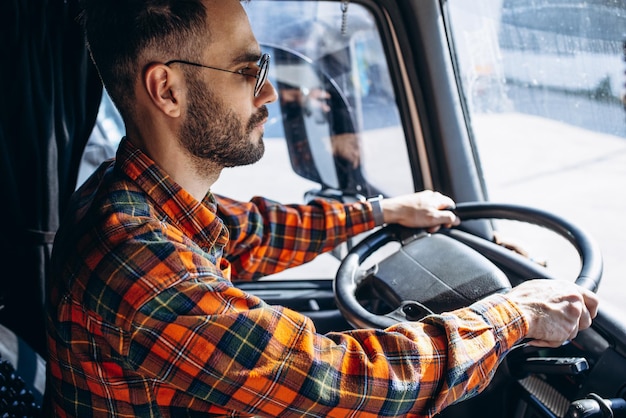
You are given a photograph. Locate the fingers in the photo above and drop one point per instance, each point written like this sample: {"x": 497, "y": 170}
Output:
{"x": 445, "y": 202}
{"x": 442, "y": 214}
{"x": 590, "y": 309}
{"x": 555, "y": 310}
{"x": 591, "y": 302}
{"x": 426, "y": 209}
{"x": 445, "y": 218}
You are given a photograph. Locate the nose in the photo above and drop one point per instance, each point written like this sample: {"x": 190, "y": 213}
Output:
{"x": 267, "y": 94}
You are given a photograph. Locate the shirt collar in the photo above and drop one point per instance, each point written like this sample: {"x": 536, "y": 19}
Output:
{"x": 198, "y": 220}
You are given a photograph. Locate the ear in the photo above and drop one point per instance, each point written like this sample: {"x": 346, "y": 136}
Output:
{"x": 164, "y": 88}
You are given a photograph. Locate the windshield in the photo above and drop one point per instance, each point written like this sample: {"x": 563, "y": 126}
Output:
{"x": 543, "y": 83}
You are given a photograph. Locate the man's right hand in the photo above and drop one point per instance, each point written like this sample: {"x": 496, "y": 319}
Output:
{"x": 555, "y": 310}
{"x": 425, "y": 209}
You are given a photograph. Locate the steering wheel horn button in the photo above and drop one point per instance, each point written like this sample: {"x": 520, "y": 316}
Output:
{"x": 446, "y": 275}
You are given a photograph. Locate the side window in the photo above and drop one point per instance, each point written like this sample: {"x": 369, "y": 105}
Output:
{"x": 105, "y": 137}
{"x": 543, "y": 84}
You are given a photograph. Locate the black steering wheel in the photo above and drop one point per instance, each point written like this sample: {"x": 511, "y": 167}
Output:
{"x": 433, "y": 273}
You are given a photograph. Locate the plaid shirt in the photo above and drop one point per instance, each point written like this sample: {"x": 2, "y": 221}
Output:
{"x": 144, "y": 320}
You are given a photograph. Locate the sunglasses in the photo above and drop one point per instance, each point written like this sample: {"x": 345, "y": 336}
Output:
{"x": 261, "y": 74}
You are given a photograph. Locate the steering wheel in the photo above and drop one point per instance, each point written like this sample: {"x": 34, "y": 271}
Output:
{"x": 450, "y": 269}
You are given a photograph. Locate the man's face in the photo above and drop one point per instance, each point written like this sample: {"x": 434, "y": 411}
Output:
{"x": 214, "y": 132}
{"x": 223, "y": 119}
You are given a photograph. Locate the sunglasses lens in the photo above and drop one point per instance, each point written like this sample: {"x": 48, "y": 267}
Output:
{"x": 262, "y": 75}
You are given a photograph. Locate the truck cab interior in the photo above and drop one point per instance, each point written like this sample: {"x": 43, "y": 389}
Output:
{"x": 514, "y": 108}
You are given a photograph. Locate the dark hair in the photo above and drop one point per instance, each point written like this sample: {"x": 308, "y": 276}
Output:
{"x": 124, "y": 36}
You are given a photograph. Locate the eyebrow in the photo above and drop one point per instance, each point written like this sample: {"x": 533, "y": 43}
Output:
{"x": 247, "y": 56}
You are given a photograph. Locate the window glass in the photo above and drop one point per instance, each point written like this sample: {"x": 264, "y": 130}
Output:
{"x": 106, "y": 135}
{"x": 543, "y": 82}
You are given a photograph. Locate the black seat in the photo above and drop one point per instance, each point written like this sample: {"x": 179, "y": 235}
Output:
{"x": 22, "y": 377}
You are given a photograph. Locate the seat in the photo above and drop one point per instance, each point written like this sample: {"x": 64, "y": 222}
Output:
{"x": 22, "y": 377}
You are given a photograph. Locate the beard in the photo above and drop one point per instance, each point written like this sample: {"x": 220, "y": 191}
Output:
{"x": 215, "y": 133}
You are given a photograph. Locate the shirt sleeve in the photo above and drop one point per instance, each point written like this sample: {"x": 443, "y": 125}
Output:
{"x": 269, "y": 361}
{"x": 184, "y": 337}
{"x": 267, "y": 237}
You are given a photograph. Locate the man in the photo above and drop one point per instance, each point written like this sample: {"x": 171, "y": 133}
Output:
{"x": 143, "y": 317}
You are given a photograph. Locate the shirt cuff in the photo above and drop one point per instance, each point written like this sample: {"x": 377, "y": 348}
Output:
{"x": 506, "y": 318}
{"x": 377, "y": 210}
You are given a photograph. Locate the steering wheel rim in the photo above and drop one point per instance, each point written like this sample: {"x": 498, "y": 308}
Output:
{"x": 348, "y": 278}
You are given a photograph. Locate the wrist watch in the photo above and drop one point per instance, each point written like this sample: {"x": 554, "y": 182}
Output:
{"x": 377, "y": 209}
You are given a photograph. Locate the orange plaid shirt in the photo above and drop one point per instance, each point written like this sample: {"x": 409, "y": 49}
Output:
{"x": 143, "y": 320}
